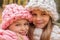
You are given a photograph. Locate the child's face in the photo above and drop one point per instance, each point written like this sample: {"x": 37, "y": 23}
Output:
{"x": 20, "y": 26}
{"x": 40, "y": 18}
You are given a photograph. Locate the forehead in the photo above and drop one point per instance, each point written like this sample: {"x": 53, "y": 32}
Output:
{"x": 21, "y": 21}
{"x": 38, "y": 10}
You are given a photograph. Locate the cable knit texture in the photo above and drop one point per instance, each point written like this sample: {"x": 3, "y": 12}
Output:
{"x": 10, "y": 35}
{"x": 13, "y": 12}
{"x": 44, "y": 4}
{"x": 55, "y": 35}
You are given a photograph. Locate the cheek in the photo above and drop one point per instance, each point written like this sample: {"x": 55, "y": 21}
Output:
{"x": 27, "y": 28}
{"x": 46, "y": 19}
{"x": 34, "y": 19}
{"x": 13, "y": 28}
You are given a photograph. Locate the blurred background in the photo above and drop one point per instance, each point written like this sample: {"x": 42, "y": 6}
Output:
{"x": 23, "y": 2}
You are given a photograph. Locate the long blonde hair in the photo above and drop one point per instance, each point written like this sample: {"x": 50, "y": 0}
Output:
{"x": 45, "y": 34}
{"x": 46, "y": 31}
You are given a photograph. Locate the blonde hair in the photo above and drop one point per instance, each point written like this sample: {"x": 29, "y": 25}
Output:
{"x": 46, "y": 31}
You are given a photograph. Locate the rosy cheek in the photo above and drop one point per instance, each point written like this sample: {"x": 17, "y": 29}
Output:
{"x": 34, "y": 18}
{"x": 46, "y": 20}
{"x": 27, "y": 28}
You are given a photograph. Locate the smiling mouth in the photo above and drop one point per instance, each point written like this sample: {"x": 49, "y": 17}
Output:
{"x": 23, "y": 33}
{"x": 39, "y": 23}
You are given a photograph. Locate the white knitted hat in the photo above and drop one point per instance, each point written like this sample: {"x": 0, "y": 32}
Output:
{"x": 45, "y": 4}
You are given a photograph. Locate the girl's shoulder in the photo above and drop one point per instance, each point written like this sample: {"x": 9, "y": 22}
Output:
{"x": 55, "y": 35}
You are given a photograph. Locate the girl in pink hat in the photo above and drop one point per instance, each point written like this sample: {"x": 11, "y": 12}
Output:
{"x": 15, "y": 23}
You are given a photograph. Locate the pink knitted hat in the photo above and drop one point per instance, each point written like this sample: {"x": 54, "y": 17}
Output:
{"x": 13, "y": 12}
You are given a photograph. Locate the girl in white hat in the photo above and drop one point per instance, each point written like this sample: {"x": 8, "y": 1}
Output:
{"x": 44, "y": 15}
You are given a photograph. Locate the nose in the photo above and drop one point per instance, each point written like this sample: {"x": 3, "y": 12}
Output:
{"x": 23, "y": 28}
{"x": 39, "y": 18}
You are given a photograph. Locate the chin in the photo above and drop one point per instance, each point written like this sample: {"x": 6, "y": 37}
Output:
{"x": 40, "y": 26}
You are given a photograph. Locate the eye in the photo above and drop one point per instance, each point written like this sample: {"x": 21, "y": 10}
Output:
{"x": 26, "y": 24}
{"x": 17, "y": 24}
{"x": 34, "y": 14}
{"x": 43, "y": 13}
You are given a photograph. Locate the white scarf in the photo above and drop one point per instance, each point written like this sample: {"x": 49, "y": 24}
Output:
{"x": 55, "y": 35}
